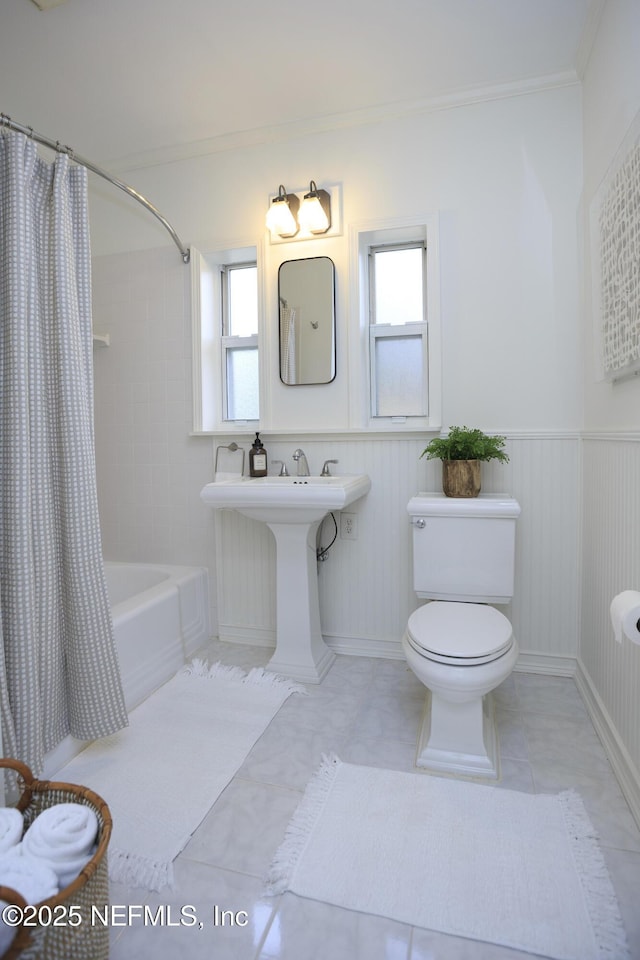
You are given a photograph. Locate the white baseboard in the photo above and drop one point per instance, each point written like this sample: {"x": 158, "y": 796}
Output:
{"x": 623, "y": 766}
{"x": 361, "y": 647}
{"x": 548, "y": 664}
{"x": 349, "y": 646}
{"x": 542, "y": 663}
{"x": 254, "y": 636}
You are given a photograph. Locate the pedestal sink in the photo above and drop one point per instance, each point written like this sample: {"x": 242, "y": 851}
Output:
{"x": 292, "y": 508}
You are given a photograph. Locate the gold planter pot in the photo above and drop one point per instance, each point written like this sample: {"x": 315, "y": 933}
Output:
{"x": 461, "y": 478}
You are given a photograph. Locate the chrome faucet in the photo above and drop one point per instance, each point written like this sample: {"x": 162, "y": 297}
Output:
{"x": 301, "y": 460}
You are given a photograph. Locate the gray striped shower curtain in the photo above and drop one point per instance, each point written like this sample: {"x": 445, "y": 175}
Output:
{"x": 59, "y": 672}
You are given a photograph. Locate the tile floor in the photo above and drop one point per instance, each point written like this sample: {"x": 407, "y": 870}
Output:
{"x": 367, "y": 711}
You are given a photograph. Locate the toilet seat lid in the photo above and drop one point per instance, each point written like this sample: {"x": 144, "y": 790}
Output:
{"x": 459, "y": 633}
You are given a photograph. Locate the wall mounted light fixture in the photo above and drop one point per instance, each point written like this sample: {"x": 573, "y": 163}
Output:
{"x": 314, "y": 216}
{"x": 315, "y": 212}
{"x": 281, "y": 216}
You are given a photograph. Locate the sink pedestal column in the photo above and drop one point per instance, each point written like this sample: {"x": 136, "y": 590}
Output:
{"x": 301, "y": 652}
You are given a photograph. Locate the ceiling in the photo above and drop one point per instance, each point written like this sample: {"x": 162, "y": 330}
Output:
{"x": 133, "y": 81}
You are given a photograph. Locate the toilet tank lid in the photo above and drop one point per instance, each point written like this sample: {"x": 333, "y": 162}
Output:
{"x": 486, "y": 505}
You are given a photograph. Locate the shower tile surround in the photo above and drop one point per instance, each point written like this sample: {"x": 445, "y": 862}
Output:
{"x": 150, "y": 471}
{"x": 367, "y": 711}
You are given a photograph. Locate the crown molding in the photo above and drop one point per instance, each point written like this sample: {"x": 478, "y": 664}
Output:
{"x": 369, "y": 115}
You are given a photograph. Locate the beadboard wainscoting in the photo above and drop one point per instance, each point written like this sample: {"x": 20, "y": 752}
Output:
{"x": 608, "y": 674}
{"x": 365, "y": 585}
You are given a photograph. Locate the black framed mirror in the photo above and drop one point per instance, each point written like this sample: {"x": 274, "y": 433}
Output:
{"x": 306, "y": 301}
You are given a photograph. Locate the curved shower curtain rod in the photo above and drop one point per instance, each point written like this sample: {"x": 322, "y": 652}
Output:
{"x": 6, "y": 121}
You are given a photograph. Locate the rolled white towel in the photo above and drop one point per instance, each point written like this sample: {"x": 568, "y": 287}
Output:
{"x": 16, "y": 851}
{"x": 63, "y": 837}
{"x": 68, "y": 871}
{"x": 11, "y": 827}
{"x": 68, "y": 828}
{"x": 34, "y": 880}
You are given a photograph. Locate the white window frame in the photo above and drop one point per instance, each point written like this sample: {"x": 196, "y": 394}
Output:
{"x": 210, "y": 345}
{"x": 364, "y": 236}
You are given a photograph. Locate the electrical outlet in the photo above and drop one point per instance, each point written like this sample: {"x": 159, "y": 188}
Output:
{"x": 348, "y": 526}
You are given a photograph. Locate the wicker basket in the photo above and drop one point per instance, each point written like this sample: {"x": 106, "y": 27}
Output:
{"x": 53, "y": 938}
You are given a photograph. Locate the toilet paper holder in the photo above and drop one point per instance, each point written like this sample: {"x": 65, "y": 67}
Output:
{"x": 625, "y": 616}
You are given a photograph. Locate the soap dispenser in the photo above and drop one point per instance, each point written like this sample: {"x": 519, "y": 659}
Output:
{"x": 257, "y": 459}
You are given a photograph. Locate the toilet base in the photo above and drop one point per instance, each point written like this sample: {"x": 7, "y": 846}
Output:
{"x": 471, "y": 726}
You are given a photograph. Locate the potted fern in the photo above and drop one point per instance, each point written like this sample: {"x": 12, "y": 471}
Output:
{"x": 462, "y": 452}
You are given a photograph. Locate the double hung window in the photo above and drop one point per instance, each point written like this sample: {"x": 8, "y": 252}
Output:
{"x": 239, "y": 341}
{"x": 395, "y": 379}
{"x": 398, "y": 330}
{"x": 226, "y": 305}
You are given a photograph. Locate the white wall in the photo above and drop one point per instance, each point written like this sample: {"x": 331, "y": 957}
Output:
{"x": 505, "y": 177}
{"x": 611, "y": 518}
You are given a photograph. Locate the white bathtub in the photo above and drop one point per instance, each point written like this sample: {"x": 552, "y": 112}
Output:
{"x": 160, "y": 619}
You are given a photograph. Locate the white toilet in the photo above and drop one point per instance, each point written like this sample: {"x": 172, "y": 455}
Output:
{"x": 458, "y": 645}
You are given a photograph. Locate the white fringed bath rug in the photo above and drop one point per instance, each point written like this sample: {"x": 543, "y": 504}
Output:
{"x": 520, "y": 870}
{"x": 161, "y": 775}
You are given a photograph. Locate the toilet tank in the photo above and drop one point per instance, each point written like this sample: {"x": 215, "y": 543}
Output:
{"x": 464, "y": 548}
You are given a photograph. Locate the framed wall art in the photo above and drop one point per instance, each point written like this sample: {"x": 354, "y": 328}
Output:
{"x": 615, "y": 261}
